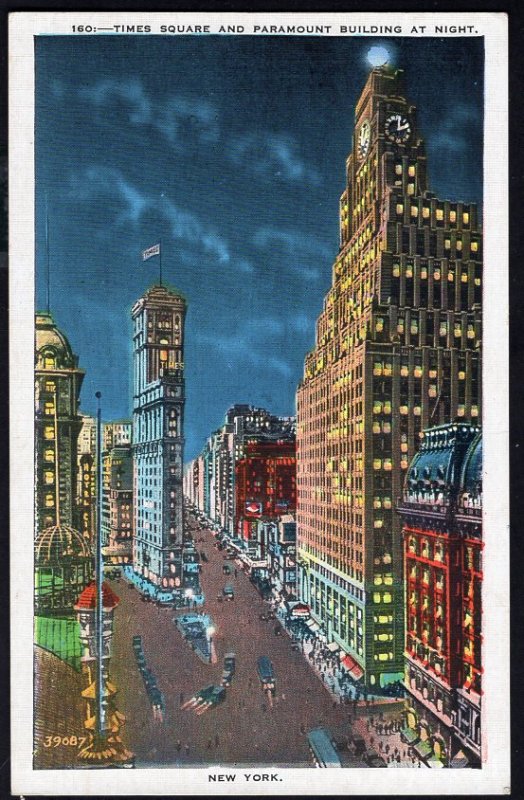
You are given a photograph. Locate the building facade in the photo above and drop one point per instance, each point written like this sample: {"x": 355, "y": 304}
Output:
{"x": 86, "y": 478}
{"x": 158, "y": 439}
{"x": 210, "y": 479}
{"x": 63, "y": 558}
{"x": 441, "y": 509}
{"x": 117, "y": 491}
{"x": 265, "y": 484}
{"x": 58, "y": 380}
{"x": 397, "y": 350}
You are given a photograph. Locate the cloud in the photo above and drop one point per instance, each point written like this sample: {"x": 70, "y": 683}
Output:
{"x": 129, "y": 204}
{"x": 301, "y": 323}
{"x": 301, "y": 252}
{"x": 272, "y": 155}
{"x": 244, "y": 344}
{"x": 177, "y": 118}
{"x": 454, "y": 129}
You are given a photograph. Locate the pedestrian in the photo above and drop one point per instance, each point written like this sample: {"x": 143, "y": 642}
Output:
{"x": 187, "y": 749}
{"x": 217, "y": 740}
{"x": 178, "y": 745}
{"x": 181, "y": 698}
{"x": 209, "y": 743}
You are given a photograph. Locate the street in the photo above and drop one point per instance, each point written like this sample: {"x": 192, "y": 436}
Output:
{"x": 242, "y": 730}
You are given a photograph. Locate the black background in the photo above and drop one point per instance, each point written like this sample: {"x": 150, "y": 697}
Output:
{"x": 516, "y": 366}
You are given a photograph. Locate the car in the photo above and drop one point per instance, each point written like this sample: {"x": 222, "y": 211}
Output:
{"x": 137, "y": 640}
{"x": 358, "y": 743}
{"x": 226, "y": 569}
{"x": 373, "y": 759}
{"x": 228, "y": 592}
{"x": 341, "y": 742}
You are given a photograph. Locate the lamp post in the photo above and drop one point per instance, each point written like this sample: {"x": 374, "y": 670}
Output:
{"x": 99, "y": 577}
{"x": 210, "y": 630}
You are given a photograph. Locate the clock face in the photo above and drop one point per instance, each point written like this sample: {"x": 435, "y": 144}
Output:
{"x": 364, "y": 138}
{"x": 397, "y": 128}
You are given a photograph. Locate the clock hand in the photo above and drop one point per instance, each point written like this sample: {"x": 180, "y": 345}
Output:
{"x": 403, "y": 127}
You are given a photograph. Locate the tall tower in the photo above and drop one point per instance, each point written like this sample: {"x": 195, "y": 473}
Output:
{"x": 158, "y": 443}
{"x": 58, "y": 380}
{"x": 397, "y": 350}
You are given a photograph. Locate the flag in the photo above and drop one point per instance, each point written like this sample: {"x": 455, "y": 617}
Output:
{"x": 150, "y": 252}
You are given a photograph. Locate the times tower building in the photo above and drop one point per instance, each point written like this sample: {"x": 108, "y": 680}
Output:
{"x": 397, "y": 350}
{"x": 158, "y": 443}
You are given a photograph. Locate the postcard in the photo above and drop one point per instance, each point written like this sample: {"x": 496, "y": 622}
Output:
{"x": 259, "y": 441}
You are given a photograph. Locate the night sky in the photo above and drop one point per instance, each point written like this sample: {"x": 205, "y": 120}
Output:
{"x": 232, "y": 151}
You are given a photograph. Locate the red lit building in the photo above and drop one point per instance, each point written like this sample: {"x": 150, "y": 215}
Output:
{"x": 441, "y": 510}
{"x": 265, "y": 484}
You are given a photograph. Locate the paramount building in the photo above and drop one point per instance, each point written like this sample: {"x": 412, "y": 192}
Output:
{"x": 397, "y": 350}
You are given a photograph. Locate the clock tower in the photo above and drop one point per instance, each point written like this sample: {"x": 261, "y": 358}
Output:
{"x": 397, "y": 350}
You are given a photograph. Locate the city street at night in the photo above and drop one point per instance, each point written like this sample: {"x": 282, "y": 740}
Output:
{"x": 241, "y": 730}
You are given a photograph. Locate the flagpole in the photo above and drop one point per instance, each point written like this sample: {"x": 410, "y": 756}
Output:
{"x": 160, "y": 260}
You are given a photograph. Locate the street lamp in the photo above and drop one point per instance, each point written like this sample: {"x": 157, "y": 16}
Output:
{"x": 210, "y": 630}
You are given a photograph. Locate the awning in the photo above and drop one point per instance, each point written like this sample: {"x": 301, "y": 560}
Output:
{"x": 297, "y": 609}
{"x": 459, "y": 761}
{"x": 434, "y": 762}
{"x": 409, "y": 735}
{"x": 312, "y": 625}
{"x": 352, "y": 667}
{"x": 423, "y": 749}
{"x": 333, "y": 647}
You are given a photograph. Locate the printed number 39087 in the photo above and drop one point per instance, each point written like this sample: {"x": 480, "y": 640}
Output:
{"x": 65, "y": 741}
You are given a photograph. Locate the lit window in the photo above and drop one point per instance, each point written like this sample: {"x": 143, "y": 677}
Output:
{"x": 48, "y": 477}
{"x": 400, "y": 208}
{"x": 465, "y": 217}
{"x": 49, "y": 432}
{"x": 49, "y": 386}
{"x": 474, "y": 246}
{"x": 452, "y": 216}
{"x": 376, "y": 597}
{"x": 451, "y": 277}
{"x": 447, "y": 244}
{"x": 411, "y": 171}
{"x": 49, "y": 454}
{"x": 439, "y": 214}
{"x": 411, "y": 188}
{"x": 459, "y": 244}
{"x": 436, "y": 275}
{"x": 386, "y": 597}
{"x": 49, "y": 501}
{"x": 398, "y": 169}
{"x": 396, "y": 270}
{"x": 414, "y": 211}
{"x": 425, "y": 212}
{"x": 49, "y": 361}
{"x": 464, "y": 277}
{"x": 423, "y": 273}
{"x": 49, "y": 407}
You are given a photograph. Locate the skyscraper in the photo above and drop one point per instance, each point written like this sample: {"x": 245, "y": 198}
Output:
{"x": 58, "y": 380}
{"x": 158, "y": 443}
{"x": 397, "y": 350}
